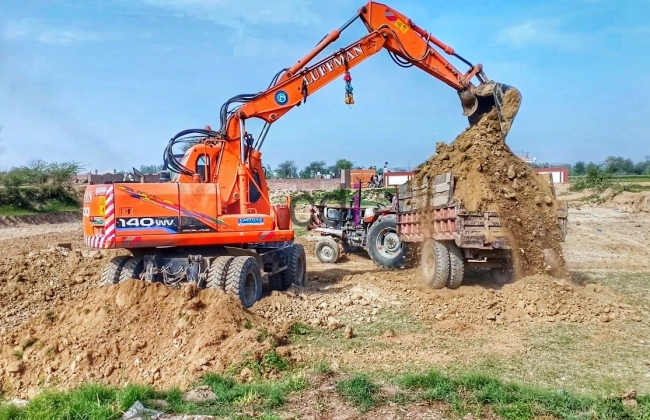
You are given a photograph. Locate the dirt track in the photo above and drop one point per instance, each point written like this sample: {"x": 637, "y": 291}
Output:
{"x": 60, "y": 328}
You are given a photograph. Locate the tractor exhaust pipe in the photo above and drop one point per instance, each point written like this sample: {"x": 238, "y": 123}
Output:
{"x": 506, "y": 99}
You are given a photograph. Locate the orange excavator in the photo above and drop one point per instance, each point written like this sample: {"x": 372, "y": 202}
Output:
{"x": 210, "y": 221}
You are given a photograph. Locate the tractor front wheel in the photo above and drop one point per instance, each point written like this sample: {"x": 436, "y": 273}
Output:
{"x": 327, "y": 250}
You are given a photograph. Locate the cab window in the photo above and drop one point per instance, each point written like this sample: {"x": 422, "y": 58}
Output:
{"x": 255, "y": 193}
{"x": 203, "y": 163}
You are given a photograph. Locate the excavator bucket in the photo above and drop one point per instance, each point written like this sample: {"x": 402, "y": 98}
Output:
{"x": 506, "y": 99}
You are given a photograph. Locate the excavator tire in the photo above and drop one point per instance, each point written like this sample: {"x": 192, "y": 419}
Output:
{"x": 456, "y": 266}
{"x": 112, "y": 270}
{"x": 434, "y": 264}
{"x": 296, "y": 272}
{"x": 327, "y": 250}
{"x": 132, "y": 269}
{"x": 244, "y": 280}
{"x": 217, "y": 273}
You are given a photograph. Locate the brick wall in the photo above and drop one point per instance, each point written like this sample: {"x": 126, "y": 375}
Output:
{"x": 303, "y": 184}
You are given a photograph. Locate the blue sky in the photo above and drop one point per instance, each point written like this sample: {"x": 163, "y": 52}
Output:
{"x": 107, "y": 83}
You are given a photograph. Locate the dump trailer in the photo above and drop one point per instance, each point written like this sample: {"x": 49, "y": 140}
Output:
{"x": 452, "y": 238}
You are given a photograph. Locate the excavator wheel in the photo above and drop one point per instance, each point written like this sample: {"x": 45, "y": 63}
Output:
{"x": 296, "y": 272}
{"x": 244, "y": 280}
{"x": 132, "y": 269}
{"x": 218, "y": 272}
{"x": 112, "y": 270}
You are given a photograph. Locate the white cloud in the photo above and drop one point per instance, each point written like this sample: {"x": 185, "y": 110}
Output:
{"x": 542, "y": 33}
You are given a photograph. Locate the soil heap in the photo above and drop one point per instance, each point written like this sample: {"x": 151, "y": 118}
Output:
{"x": 133, "y": 332}
{"x": 489, "y": 177}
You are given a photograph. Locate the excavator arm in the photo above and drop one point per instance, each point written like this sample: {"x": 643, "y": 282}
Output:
{"x": 407, "y": 44}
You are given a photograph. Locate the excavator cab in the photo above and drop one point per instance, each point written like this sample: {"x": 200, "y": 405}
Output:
{"x": 480, "y": 100}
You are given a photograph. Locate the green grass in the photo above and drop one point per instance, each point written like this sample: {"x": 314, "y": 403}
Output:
{"x": 50, "y": 207}
{"x": 359, "y": 390}
{"x": 467, "y": 393}
{"x": 471, "y": 393}
{"x": 99, "y": 402}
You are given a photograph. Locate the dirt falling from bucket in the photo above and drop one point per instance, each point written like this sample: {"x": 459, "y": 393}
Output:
{"x": 489, "y": 177}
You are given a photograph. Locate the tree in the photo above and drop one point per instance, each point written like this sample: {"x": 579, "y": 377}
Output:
{"x": 62, "y": 173}
{"x": 150, "y": 169}
{"x": 343, "y": 164}
{"x": 287, "y": 169}
{"x": 579, "y": 168}
{"x": 268, "y": 172}
{"x": 313, "y": 168}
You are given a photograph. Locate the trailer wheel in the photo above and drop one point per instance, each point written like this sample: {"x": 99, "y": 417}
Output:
{"x": 327, "y": 250}
{"x": 217, "y": 273}
{"x": 112, "y": 270}
{"x": 385, "y": 247}
{"x": 296, "y": 272}
{"x": 434, "y": 264}
{"x": 244, "y": 280}
{"x": 456, "y": 266}
{"x": 132, "y": 269}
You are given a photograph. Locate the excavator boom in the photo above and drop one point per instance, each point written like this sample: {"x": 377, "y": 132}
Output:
{"x": 407, "y": 44}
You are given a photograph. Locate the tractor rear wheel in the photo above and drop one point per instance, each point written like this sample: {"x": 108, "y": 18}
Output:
{"x": 327, "y": 250}
{"x": 385, "y": 247}
{"x": 434, "y": 264}
{"x": 244, "y": 280}
{"x": 112, "y": 270}
{"x": 217, "y": 273}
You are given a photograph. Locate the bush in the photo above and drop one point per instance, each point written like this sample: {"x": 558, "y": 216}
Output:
{"x": 595, "y": 179}
{"x": 38, "y": 172}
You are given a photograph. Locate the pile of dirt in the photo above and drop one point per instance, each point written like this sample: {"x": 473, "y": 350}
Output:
{"x": 630, "y": 202}
{"x": 532, "y": 299}
{"x": 33, "y": 281}
{"x": 538, "y": 298}
{"x": 133, "y": 332}
{"x": 489, "y": 177}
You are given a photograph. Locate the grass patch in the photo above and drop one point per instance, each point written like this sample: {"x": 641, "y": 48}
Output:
{"x": 471, "y": 393}
{"x": 18, "y": 201}
{"x": 99, "y": 402}
{"x": 360, "y": 391}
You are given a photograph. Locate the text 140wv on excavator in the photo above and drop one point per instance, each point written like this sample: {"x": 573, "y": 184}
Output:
{"x": 210, "y": 221}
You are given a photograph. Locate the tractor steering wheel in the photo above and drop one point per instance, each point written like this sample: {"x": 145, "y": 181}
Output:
{"x": 381, "y": 206}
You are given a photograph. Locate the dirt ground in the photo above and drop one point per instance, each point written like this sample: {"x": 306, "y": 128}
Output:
{"x": 61, "y": 329}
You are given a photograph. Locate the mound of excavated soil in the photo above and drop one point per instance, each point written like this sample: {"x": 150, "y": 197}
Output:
{"x": 135, "y": 332}
{"x": 537, "y": 298}
{"x": 627, "y": 201}
{"x": 34, "y": 280}
{"x": 489, "y": 177}
{"x": 532, "y": 299}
